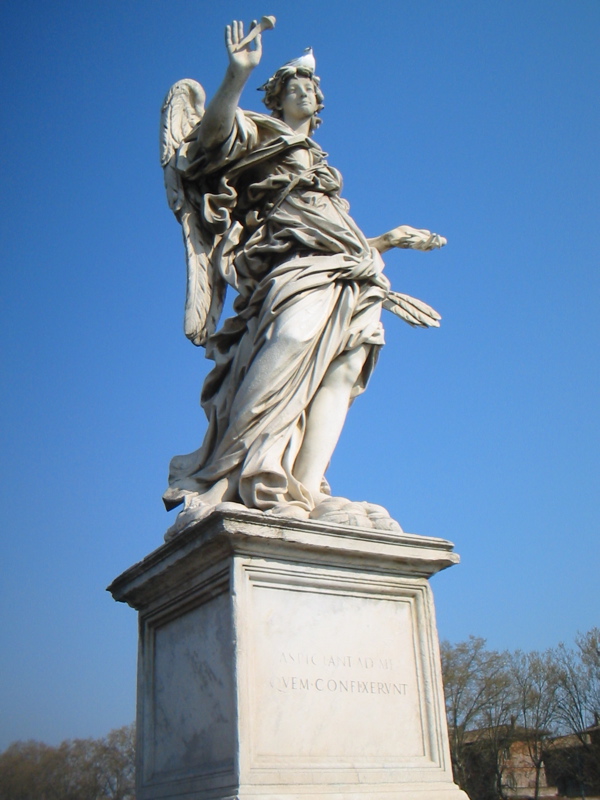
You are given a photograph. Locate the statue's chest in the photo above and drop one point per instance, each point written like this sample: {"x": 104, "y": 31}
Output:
{"x": 302, "y": 158}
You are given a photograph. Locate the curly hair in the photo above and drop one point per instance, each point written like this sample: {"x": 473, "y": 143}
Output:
{"x": 275, "y": 87}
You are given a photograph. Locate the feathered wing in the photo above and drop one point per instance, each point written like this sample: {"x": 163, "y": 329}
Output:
{"x": 182, "y": 110}
{"x": 415, "y": 312}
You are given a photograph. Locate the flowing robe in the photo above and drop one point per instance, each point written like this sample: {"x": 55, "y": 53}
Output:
{"x": 310, "y": 289}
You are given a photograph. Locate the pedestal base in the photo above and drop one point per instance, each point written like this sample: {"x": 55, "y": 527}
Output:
{"x": 289, "y": 660}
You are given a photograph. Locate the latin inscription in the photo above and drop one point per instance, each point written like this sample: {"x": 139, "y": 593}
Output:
{"x": 313, "y": 659}
{"x": 295, "y": 683}
{"x": 334, "y": 676}
{"x": 353, "y": 675}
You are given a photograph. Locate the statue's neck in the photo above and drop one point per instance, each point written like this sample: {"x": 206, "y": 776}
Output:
{"x": 299, "y": 127}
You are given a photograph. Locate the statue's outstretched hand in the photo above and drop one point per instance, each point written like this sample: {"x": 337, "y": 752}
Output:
{"x": 244, "y": 54}
{"x": 244, "y": 51}
{"x": 408, "y": 238}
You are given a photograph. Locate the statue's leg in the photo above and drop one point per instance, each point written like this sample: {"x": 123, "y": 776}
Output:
{"x": 325, "y": 419}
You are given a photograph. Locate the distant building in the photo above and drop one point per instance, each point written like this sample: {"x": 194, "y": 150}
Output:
{"x": 572, "y": 764}
{"x": 499, "y": 764}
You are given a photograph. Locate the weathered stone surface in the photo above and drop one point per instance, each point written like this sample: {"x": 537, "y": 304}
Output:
{"x": 288, "y": 658}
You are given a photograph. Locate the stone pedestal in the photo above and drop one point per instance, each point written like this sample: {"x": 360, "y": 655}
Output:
{"x": 289, "y": 660}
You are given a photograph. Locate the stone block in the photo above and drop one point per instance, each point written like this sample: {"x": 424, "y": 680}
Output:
{"x": 289, "y": 660}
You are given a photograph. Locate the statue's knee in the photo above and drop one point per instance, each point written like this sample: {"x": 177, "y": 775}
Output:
{"x": 345, "y": 370}
{"x": 292, "y": 335}
{"x": 291, "y": 339}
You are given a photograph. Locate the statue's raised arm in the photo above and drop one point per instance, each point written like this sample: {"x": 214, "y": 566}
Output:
{"x": 243, "y": 58}
{"x": 261, "y": 212}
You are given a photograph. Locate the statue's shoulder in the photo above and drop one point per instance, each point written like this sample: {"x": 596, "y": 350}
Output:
{"x": 274, "y": 133}
{"x": 266, "y": 124}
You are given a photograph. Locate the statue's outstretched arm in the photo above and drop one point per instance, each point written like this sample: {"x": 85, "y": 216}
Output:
{"x": 415, "y": 312}
{"x": 407, "y": 238}
{"x": 220, "y": 112}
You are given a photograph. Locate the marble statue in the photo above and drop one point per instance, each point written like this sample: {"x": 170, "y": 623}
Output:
{"x": 261, "y": 212}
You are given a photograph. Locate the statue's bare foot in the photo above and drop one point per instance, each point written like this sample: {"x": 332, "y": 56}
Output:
{"x": 194, "y": 509}
{"x": 198, "y": 505}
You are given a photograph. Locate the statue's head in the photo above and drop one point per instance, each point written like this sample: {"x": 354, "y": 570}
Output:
{"x": 292, "y": 80}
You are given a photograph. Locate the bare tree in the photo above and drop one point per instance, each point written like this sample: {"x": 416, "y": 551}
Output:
{"x": 580, "y": 682}
{"x": 535, "y": 678}
{"x": 477, "y": 698}
{"x": 80, "y": 769}
{"x": 29, "y": 770}
{"x": 497, "y": 733}
{"x": 116, "y": 763}
{"x": 506, "y": 713}
{"x": 579, "y": 707}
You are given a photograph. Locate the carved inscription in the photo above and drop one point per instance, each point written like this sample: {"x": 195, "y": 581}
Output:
{"x": 295, "y": 683}
{"x": 335, "y": 676}
{"x": 343, "y": 674}
{"x": 316, "y": 660}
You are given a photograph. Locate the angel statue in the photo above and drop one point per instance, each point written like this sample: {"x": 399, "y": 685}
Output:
{"x": 261, "y": 212}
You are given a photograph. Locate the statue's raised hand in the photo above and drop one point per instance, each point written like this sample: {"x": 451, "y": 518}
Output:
{"x": 244, "y": 54}
{"x": 244, "y": 51}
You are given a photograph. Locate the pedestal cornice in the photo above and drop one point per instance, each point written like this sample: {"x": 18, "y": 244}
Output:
{"x": 255, "y": 533}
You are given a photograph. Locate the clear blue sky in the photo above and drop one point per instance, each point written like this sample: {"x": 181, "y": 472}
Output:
{"x": 477, "y": 120}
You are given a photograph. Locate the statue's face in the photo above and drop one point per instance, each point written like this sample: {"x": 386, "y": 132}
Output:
{"x": 299, "y": 101}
